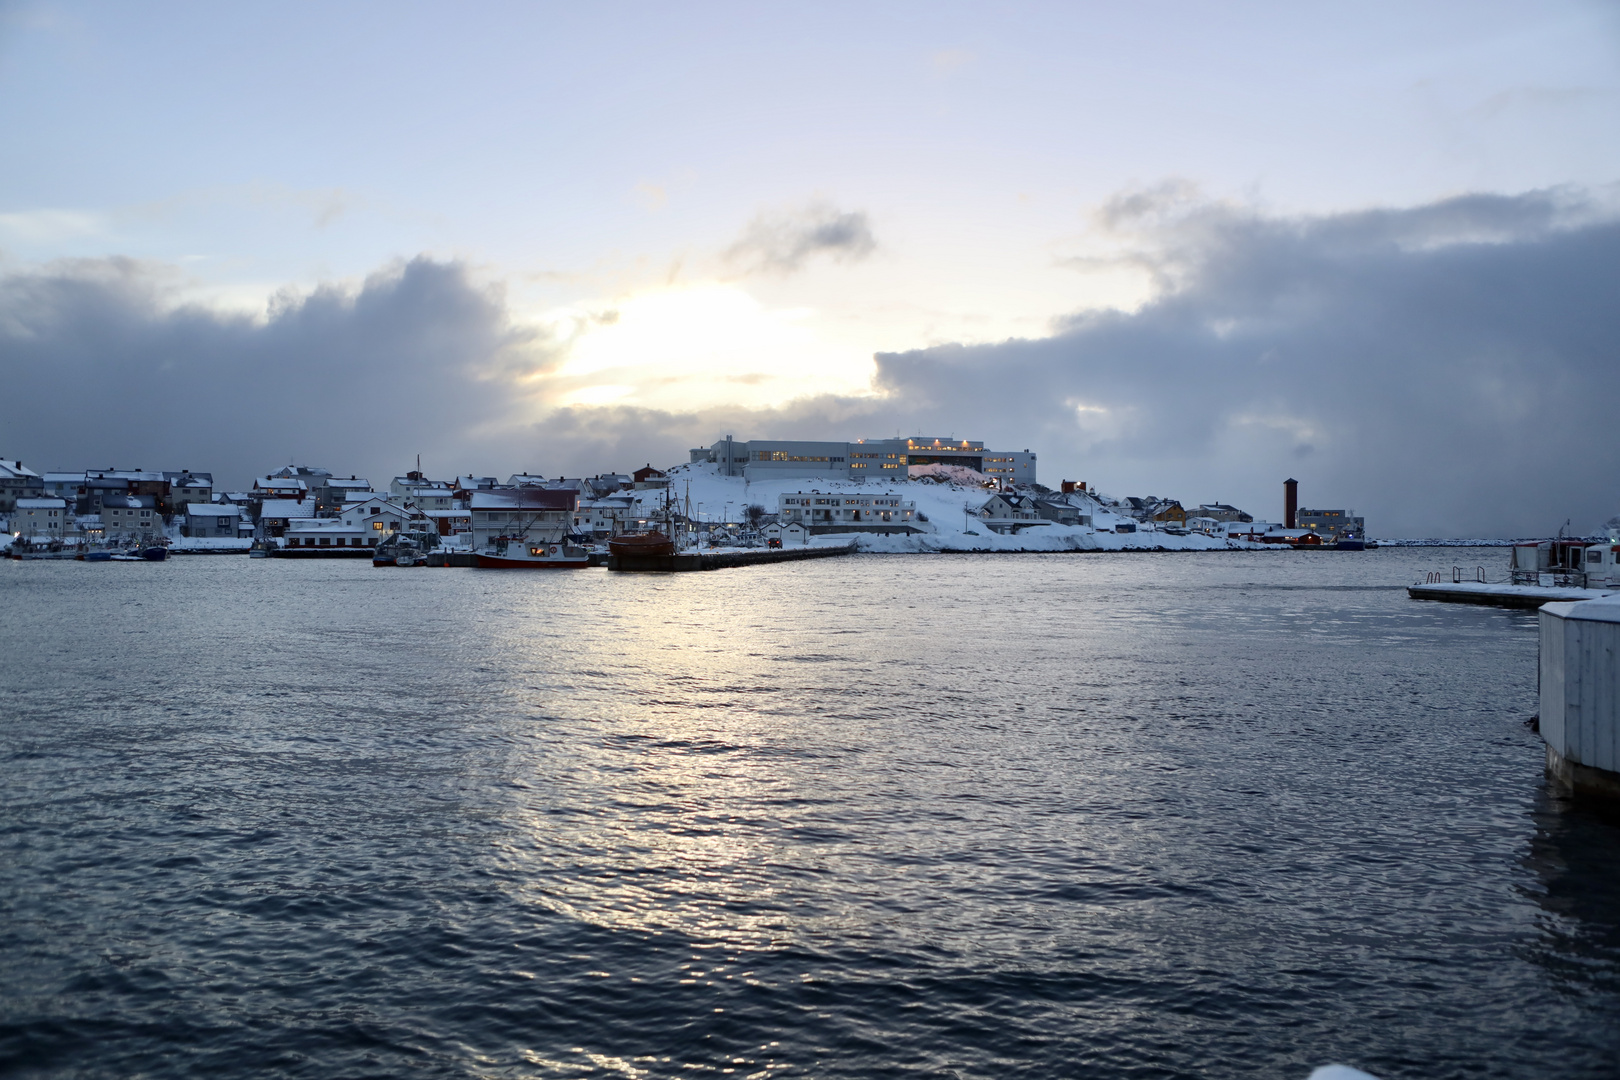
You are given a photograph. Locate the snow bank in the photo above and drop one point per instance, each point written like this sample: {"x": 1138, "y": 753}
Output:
{"x": 945, "y": 503}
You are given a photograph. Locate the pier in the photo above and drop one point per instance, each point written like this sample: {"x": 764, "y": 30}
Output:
{"x": 723, "y": 559}
{"x": 1501, "y": 595}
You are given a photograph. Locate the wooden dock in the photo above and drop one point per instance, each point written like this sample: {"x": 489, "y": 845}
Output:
{"x": 723, "y": 559}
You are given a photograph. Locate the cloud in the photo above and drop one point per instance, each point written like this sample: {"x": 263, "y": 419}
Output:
{"x": 784, "y": 242}
{"x": 1446, "y": 369}
{"x": 105, "y": 363}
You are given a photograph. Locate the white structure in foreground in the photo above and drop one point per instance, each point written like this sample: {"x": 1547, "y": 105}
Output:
{"x": 1580, "y": 693}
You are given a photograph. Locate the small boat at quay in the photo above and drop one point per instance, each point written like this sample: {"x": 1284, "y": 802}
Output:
{"x": 401, "y": 550}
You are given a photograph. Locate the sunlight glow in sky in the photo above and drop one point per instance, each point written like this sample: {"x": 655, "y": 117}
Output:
{"x": 614, "y": 158}
{"x": 687, "y": 348}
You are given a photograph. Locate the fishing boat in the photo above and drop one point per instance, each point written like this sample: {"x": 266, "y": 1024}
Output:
{"x": 523, "y": 555}
{"x": 653, "y": 541}
{"x": 155, "y": 553}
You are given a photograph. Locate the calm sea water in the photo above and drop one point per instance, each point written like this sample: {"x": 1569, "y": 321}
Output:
{"x": 1227, "y": 815}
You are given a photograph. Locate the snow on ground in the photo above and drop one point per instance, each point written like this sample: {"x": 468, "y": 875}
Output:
{"x": 1544, "y": 592}
{"x": 946, "y": 505}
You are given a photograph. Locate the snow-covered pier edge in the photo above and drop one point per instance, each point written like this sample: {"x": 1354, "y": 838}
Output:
{"x": 1053, "y": 542}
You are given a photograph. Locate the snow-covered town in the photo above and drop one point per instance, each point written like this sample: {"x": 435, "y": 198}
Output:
{"x": 890, "y": 496}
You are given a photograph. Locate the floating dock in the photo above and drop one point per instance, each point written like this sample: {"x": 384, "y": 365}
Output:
{"x": 1508, "y": 596}
{"x": 723, "y": 558}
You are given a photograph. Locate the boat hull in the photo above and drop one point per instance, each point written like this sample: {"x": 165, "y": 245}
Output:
{"x": 508, "y": 562}
{"x": 641, "y": 545}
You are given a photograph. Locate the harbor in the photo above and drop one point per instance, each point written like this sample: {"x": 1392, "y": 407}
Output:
{"x": 733, "y": 504}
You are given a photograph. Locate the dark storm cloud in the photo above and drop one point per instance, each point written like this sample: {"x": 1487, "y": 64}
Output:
{"x": 101, "y": 368}
{"x": 1448, "y": 369}
{"x": 783, "y": 243}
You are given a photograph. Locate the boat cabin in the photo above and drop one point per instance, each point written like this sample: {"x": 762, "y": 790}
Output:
{"x": 1568, "y": 563}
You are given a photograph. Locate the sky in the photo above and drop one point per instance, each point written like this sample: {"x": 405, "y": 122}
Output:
{"x": 1177, "y": 249}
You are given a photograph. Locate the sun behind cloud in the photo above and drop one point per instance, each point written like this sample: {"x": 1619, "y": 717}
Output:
{"x": 695, "y": 347}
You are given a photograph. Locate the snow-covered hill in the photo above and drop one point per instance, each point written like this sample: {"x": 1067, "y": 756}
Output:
{"x": 947, "y": 506}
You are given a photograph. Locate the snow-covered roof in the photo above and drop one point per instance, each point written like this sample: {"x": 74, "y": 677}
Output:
{"x": 15, "y": 470}
{"x": 41, "y": 504}
{"x": 349, "y": 483}
{"x": 124, "y": 474}
{"x": 527, "y": 498}
{"x": 279, "y": 483}
{"x": 384, "y": 501}
{"x": 287, "y": 508}
{"x": 63, "y": 477}
{"x": 212, "y": 510}
{"x": 324, "y": 525}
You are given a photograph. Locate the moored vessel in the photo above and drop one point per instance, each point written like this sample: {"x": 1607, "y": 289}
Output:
{"x": 651, "y": 542}
{"x": 534, "y": 556}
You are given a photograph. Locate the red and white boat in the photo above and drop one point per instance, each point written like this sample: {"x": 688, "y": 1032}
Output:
{"x": 527, "y": 555}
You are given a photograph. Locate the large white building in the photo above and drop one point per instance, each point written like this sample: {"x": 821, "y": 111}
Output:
{"x": 530, "y": 514}
{"x": 837, "y": 511}
{"x": 765, "y": 459}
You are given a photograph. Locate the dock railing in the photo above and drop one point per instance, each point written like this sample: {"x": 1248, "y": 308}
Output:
{"x": 1559, "y": 577}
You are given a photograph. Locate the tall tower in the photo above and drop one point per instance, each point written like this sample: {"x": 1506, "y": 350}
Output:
{"x": 1290, "y": 503}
